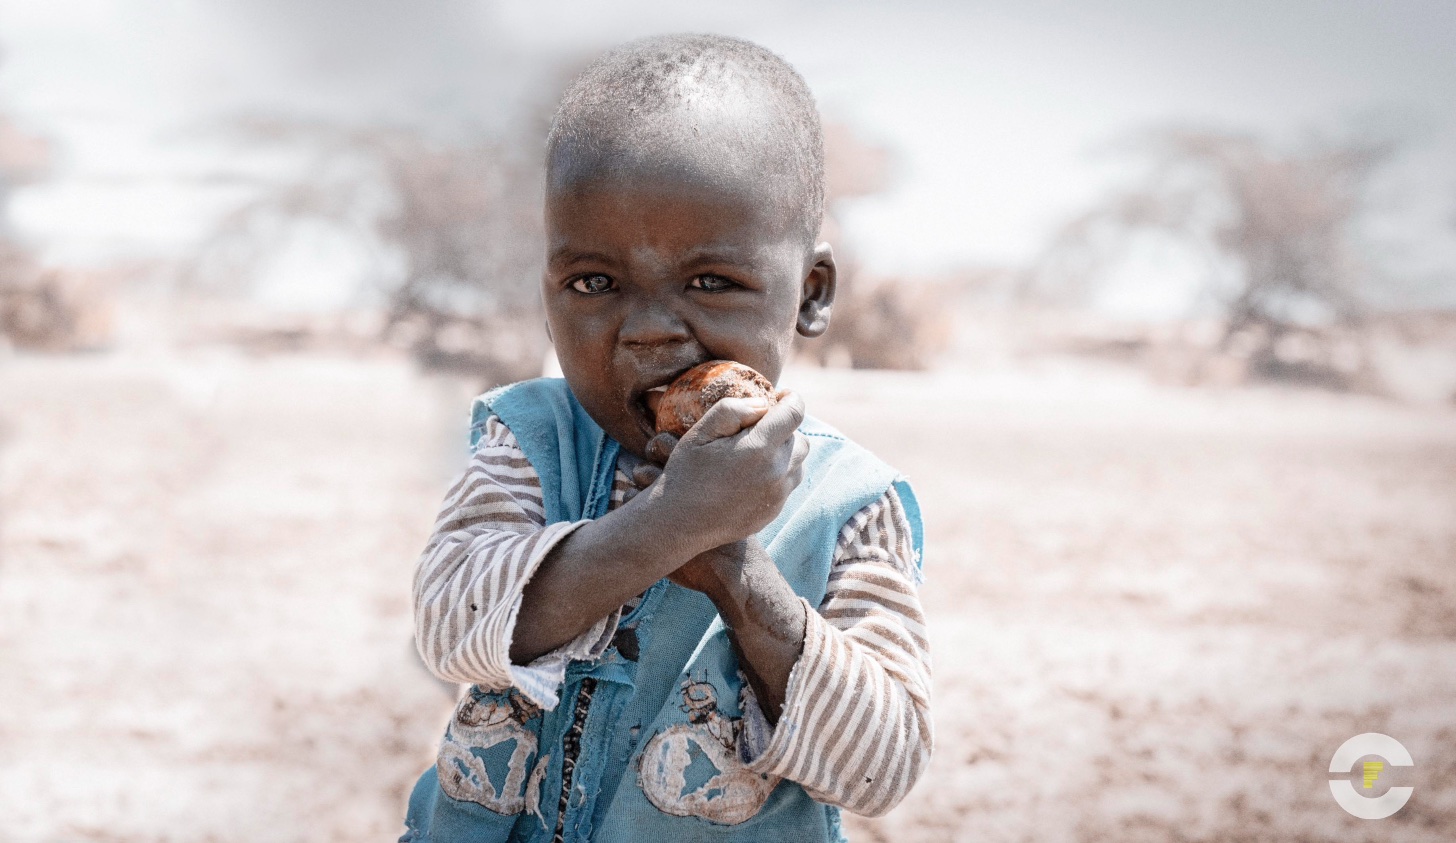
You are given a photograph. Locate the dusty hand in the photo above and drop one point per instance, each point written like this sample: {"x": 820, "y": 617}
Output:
{"x": 729, "y": 475}
{"x": 697, "y": 573}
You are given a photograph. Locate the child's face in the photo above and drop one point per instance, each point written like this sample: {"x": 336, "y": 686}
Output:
{"x": 648, "y": 275}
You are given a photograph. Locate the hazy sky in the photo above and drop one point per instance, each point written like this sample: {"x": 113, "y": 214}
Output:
{"x": 995, "y": 109}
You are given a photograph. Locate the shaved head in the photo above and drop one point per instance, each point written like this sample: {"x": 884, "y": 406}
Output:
{"x": 701, "y": 109}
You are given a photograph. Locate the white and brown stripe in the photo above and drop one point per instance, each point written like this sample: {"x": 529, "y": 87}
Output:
{"x": 855, "y": 729}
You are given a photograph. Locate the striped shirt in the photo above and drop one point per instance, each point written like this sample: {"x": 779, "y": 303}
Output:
{"x": 855, "y": 730}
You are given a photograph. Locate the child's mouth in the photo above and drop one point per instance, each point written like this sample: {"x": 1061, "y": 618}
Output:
{"x": 650, "y": 399}
{"x": 647, "y": 403}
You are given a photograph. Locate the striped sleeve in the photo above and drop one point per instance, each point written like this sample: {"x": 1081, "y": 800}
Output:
{"x": 489, "y": 539}
{"x": 855, "y": 729}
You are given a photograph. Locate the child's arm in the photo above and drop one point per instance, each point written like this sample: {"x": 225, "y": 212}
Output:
{"x": 855, "y": 728}
{"x": 502, "y": 599}
{"x": 724, "y": 481}
{"x": 846, "y": 688}
{"x": 490, "y": 537}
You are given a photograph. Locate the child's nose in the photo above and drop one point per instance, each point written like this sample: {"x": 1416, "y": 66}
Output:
{"x": 653, "y": 324}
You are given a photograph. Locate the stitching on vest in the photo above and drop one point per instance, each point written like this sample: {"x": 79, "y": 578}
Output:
{"x": 824, "y": 435}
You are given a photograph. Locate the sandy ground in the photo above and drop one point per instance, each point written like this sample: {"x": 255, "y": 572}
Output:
{"x": 1155, "y": 613}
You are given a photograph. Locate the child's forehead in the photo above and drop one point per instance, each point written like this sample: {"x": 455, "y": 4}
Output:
{"x": 657, "y": 220}
{"x": 714, "y": 182}
{"x": 695, "y": 180}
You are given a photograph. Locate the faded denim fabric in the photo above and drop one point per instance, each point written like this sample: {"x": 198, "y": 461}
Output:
{"x": 659, "y": 757}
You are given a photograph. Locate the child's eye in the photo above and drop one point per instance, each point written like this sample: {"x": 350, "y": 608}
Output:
{"x": 592, "y": 284}
{"x": 712, "y": 283}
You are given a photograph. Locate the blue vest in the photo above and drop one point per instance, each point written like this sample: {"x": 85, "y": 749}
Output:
{"x": 657, "y": 756}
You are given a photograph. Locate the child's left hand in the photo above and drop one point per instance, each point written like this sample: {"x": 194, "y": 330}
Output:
{"x": 703, "y": 572}
{"x": 709, "y": 572}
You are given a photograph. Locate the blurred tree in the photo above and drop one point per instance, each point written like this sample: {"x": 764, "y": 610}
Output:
{"x": 1276, "y": 229}
{"x": 463, "y": 216}
{"x": 33, "y": 311}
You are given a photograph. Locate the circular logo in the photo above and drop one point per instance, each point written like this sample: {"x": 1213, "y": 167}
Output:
{"x": 1352, "y": 750}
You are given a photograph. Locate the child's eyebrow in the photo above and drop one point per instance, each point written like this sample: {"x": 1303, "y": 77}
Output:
{"x": 567, "y": 255}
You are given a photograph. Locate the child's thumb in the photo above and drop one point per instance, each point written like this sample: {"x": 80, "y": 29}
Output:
{"x": 728, "y": 417}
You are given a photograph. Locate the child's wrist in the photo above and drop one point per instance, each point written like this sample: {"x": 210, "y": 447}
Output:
{"x": 733, "y": 580}
{"x": 663, "y": 525}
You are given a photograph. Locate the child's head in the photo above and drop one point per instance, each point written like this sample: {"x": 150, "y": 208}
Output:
{"x": 684, "y": 195}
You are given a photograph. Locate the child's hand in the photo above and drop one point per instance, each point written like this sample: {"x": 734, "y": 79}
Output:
{"x": 728, "y": 476}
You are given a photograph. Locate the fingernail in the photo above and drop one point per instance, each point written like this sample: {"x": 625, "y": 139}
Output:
{"x": 758, "y": 403}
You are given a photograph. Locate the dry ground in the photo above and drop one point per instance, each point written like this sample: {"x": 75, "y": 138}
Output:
{"x": 1155, "y": 613}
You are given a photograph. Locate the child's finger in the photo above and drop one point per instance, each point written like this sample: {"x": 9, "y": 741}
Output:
{"x": 795, "y": 474}
{"x": 779, "y": 423}
{"x": 801, "y": 451}
{"x": 660, "y": 447}
{"x": 645, "y": 474}
{"x": 727, "y": 417}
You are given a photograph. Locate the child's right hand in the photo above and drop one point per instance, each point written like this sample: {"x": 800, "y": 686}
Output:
{"x": 729, "y": 475}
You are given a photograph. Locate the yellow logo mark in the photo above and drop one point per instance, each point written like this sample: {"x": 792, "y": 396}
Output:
{"x": 1369, "y": 807}
{"x": 1372, "y": 772}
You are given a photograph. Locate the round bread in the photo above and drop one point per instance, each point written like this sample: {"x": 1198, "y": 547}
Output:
{"x": 697, "y": 389}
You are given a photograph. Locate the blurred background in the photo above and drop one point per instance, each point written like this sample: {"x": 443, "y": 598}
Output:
{"x": 1155, "y": 303}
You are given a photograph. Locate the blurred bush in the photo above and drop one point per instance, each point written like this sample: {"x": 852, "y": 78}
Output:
{"x": 1274, "y": 229}
{"x": 38, "y": 309}
{"x": 884, "y": 323}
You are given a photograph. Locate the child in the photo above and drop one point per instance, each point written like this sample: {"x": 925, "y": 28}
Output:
{"x": 717, "y": 638}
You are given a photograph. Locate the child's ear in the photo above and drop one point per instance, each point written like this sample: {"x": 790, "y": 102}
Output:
{"x": 818, "y": 293}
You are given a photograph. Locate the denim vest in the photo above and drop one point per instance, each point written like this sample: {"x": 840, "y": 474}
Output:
{"x": 657, "y": 754}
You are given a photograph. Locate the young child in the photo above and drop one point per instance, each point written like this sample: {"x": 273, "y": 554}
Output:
{"x": 717, "y": 638}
